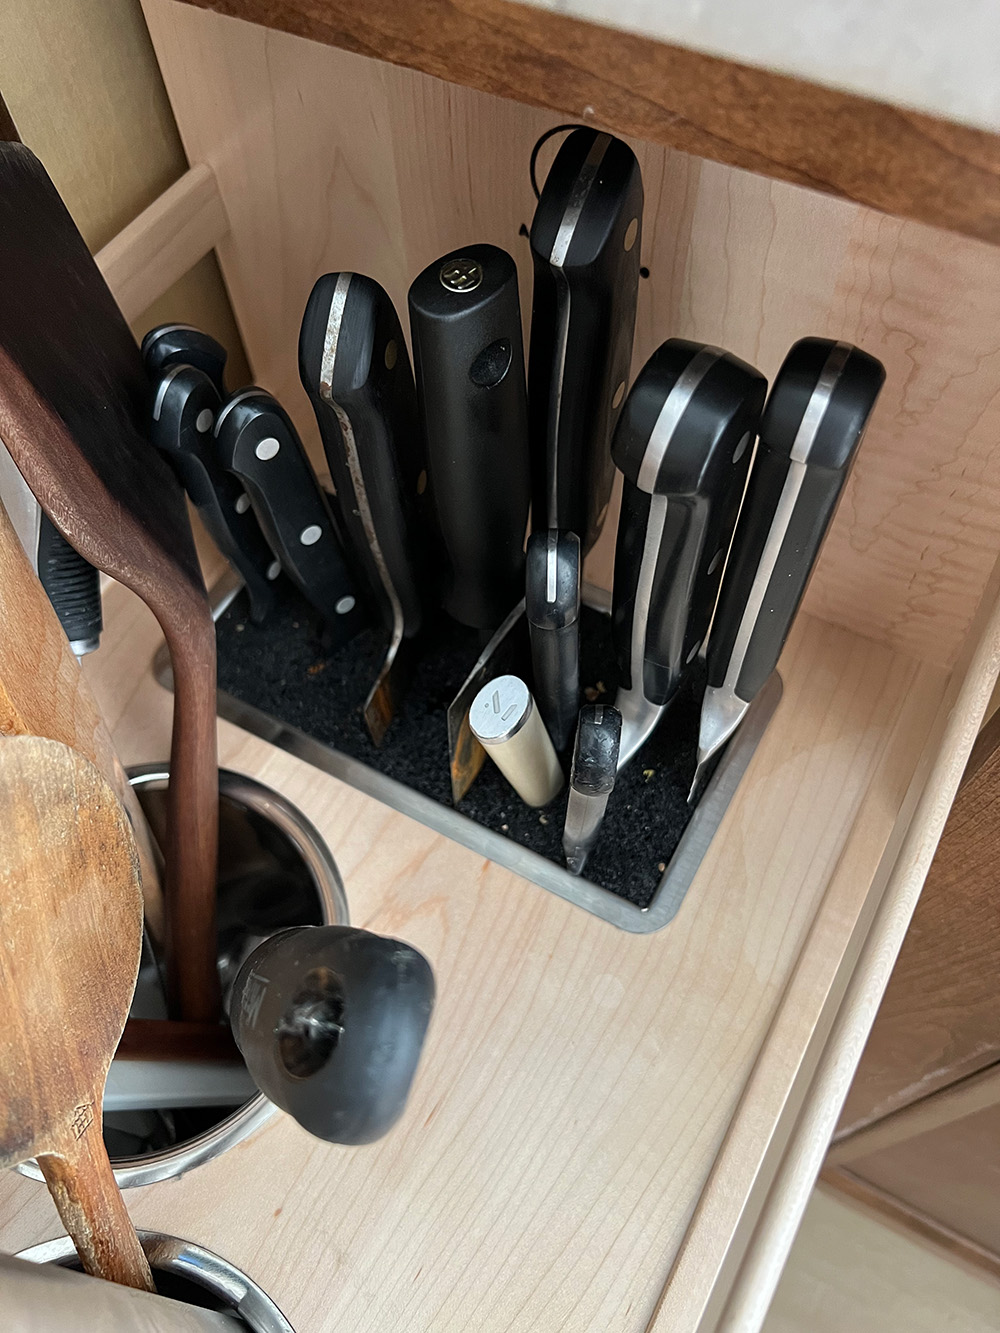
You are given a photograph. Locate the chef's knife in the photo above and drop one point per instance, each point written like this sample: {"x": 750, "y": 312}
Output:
{"x": 469, "y": 362}
{"x": 552, "y": 606}
{"x": 171, "y": 345}
{"x": 355, "y": 368}
{"x": 585, "y": 241}
{"x": 684, "y": 443}
{"x": 72, "y": 584}
{"x": 592, "y": 780}
{"x": 813, "y": 423}
{"x": 256, "y": 441}
{"x": 185, "y": 407}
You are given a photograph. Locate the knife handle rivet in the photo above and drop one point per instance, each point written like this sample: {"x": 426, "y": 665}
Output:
{"x": 310, "y": 536}
{"x": 242, "y": 503}
{"x": 741, "y": 448}
{"x": 344, "y": 605}
{"x": 631, "y": 232}
{"x": 716, "y": 561}
{"x": 273, "y": 569}
{"x": 616, "y": 402}
{"x": 267, "y": 448}
{"x": 391, "y": 352}
{"x": 204, "y": 421}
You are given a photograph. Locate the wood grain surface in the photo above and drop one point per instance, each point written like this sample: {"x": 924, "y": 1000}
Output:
{"x": 73, "y": 399}
{"x": 939, "y": 1020}
{"x": 328, "y": 161}
{"x": 577, "y": 1080}
{"x": 70, "y": 937}
{"x": 885, "y": 157}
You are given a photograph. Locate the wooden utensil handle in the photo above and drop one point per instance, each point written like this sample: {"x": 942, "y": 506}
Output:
{"x": 90, "y": 1204}
{"x": 193, "y": 818}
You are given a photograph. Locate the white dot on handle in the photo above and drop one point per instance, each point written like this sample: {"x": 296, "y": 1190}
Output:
{"x": 204, "y": 421}
{"x": 273, "y": 569}
{"x": 310, "y": 536}
{"x": 267, "y": 448}
{"x": 242, "y": 503}
{"x": 344, "y": 605}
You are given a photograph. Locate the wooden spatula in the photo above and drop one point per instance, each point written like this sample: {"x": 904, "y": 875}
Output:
{"x": 43, "y": 693}
{"x": 70, "y": 937}
{"x": 72, "y": 395}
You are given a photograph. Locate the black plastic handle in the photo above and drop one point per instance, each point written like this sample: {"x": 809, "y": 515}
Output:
{"x": 684, "y": 443}
{"x": 595, "y": 751}
{"x": 552, "y": 607}
{"x": 170, "y": 345}
{"x": 815, "y": 417}
{"x": 185, "y": 407}
{"x": 73, "y": 586}
{"x": 331, "y": 1021}
{"x": 468, "y": 357}
{"x": 356, "y": 370}
{"x": 256, "y": 441}
{"x": 585, "y": 242}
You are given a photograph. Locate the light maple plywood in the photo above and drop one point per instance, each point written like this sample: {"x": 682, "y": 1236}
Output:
{"x": 578, "y": 1080}
{"x": 327, "y": 160}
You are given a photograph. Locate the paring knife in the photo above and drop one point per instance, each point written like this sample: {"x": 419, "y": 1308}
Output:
{"x": 171, "y": 345}
{"x": 468, "y": 357}
{"x": 257, "y": 441}
{"x": 813, "y": 423}
{"x": 552, "y": 606}
{"x": 356, "y": 370}
{"x": 185, "y": 408}
{"x": 592, "y": 780}
{"x": 684, "y": 443}
{"x": 585, "y": 243}
{"x": 72, "y": 584}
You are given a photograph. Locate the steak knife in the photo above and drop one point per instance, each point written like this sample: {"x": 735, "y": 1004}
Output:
{"x": 258, "y": 443}
{"x": 585, "y": 242}
{"x": 465, "y": 322}
{"x": 185, "y": 408}
{"x": 812, "y": 427}
{"x": 684, "y": 443}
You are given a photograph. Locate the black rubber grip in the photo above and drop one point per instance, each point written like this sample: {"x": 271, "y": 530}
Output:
{"x": 585, "y": 244}
{"x": 811, "y": 488}
{"x": 365, "y": 403}
{"x": 683, "y": 531}
{"x": 468, "y": 358}
{"x": 73, "y": 587}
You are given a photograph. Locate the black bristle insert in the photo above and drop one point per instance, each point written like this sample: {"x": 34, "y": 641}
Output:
{"x": 284, "y": 669}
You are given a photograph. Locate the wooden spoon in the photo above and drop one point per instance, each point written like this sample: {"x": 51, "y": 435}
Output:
{"x": 70, "y": 938}
{"x": 72, "y": 397}
{"x": 43, "y": 693}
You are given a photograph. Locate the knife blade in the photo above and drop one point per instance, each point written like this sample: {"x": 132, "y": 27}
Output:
{"x": 585, "y": 242}
{"x": 468, "y": 357}
{"x": 812, "y": 426}
{"x": 185, "y": 406}
{"x": 257, "y": 442}
{"x": 592, "y": 780}
{"x": 169, "y": 345}
{"x": 72, "y": 584}
{"x": 552, "y": 606}
{"x": 684, "y": 443}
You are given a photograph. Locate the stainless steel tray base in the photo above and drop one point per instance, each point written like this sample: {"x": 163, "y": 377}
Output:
{"x": 676, "y": 878}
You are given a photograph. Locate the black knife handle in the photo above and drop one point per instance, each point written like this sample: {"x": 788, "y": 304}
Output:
{"x": 684, "y": 443}
{"x": 595, "y": 751}
{"x": 73, "y": 587}
{"x": 585, "y": 243}
{"x": 468, "y": 357}
{"x": 256, "y": 441}
{"x": 171, "y": 345}
{"x": 185, "y": 407}
{"x": 355, "y": 368}
{"x": 813, "y": 423}
{"x": 552, "y": 607}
